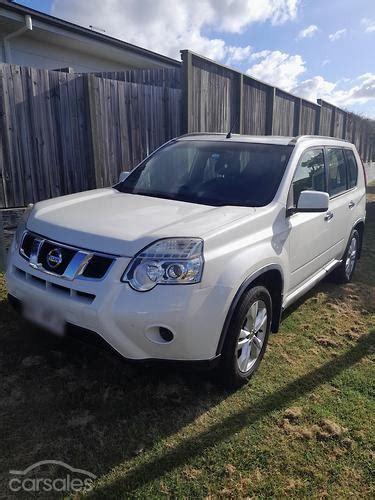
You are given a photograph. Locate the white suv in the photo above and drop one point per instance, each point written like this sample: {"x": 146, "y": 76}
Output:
{"x": 196, "y": 253}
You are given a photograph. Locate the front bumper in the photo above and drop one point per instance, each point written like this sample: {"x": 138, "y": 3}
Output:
{"x": 128, "y": 320}
{"x": 89, "y": 337}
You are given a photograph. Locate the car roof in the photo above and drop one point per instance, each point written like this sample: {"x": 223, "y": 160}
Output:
{"x": 266, "y": 139}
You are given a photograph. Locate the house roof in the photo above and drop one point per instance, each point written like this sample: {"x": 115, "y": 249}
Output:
{"x": 13, "y": 13}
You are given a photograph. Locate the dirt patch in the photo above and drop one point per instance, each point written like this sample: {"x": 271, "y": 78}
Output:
{"x": 293, "y": 414}
{"x": 191, "y": 473}
{"x": 326, "y": 429}
{"x": 327, "y": 342}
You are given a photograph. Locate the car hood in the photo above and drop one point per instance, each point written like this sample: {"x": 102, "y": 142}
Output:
{"x": 109, "y": 221}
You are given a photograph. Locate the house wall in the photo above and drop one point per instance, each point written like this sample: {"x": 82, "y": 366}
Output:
{"x": 36, "y": 40}
{"x": 26, "y": 51}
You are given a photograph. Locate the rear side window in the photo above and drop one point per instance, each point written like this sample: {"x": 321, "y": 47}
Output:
{"x": 352, "y": 168}
{"x": 310, "y": 173}
{"x": 336, "y": 171}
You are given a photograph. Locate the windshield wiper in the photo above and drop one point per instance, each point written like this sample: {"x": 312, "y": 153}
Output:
{"x": 187, "y": 199}
{"x": 151, "y": 194}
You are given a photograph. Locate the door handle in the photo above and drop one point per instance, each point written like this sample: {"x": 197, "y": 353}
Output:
{"x": 328, "y": 216}
{"x": 351, "y": 204}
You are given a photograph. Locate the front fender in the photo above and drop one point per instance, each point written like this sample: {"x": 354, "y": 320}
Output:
{"x": 245, "y": 285}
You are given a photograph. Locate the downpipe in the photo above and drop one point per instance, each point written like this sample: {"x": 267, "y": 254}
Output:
{"x": 28, "y": 26}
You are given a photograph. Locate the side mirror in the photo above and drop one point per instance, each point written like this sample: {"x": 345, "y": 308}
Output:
{"x": 312, "y": 201}
{"x": 123, "y": 176}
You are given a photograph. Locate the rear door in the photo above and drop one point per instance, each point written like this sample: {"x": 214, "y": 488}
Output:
{"x": 357, "y": 191}
{"x": 309, "y": 245}
{"x": 342, "y": 173}
{"x": 338, "y": 200}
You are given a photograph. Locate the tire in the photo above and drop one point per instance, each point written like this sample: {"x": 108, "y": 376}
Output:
{"x": 344, "y": 273}
{"x": 238, "y": 364}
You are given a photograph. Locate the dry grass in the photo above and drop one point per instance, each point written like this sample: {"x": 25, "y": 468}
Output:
{"x": 302, "y": 428}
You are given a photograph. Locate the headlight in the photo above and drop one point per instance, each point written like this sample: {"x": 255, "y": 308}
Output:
{"x": 173, "y": 261}
{"x": 22, "y": 224}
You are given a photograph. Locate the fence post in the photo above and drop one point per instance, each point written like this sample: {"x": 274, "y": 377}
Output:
{"x": 317, "y": 119}
{"x": 6, "y": 196}
{"x": 96, "y": 180}
{"x": 270, "y": 110}
{"x": 333, "y": 122}
{"x": 344, "y": 125}
{"x": 297, "y": 117}
{"x": 187, "y": 91}
{"x": 239, "y": 103}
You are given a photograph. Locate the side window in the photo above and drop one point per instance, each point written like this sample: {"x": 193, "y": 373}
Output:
{"x": 310, "y": 173}
{"x": 352, "y": 168}
{"x": 337, "y": 182}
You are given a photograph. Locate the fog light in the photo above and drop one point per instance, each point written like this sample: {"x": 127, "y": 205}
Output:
{"x": 165, "y": 334}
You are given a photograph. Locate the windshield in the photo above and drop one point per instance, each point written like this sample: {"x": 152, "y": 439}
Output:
{"x": 211, "y": 173}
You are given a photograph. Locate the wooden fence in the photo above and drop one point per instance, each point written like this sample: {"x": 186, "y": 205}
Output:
{"x": 128, "y": 122}
{"x": 62, "y": 132}
{"x": 44, "y": 144}
{"x": 217, "y": 98}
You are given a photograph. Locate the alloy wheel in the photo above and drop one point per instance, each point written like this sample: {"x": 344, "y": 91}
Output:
{"x": 252, "y": 336}
{"x": 351, "y": 257}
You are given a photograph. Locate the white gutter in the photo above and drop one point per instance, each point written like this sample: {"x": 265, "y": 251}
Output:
{"x": 28, "y": 26}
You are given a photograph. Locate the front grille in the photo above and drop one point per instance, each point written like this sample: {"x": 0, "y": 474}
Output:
{"x": 67, "y": 255}
{"x": 71, "y": 293}
{"x": 27, "y": 244}
{"x": 98, "y": 266}
{"x": 63, "y": 260}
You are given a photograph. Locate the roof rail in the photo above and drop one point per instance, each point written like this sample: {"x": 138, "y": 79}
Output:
{"x": 192, "y": 134}
{"x": 298, "y": 138}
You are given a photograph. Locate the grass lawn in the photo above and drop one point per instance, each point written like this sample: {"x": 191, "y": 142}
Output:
{"x": 304, "y": 426}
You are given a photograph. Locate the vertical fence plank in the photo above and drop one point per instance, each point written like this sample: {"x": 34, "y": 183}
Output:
{"x": 94, "y": 122}
{"x": 13, "y": 171}
{"x": 2, "y": 245}
{"x": 284, "y": 114}
{"x": 270, "y": 111}
{"x": 255, "y": 95}
{"x": 27, "y": 147}
{"x": 187, "y": 88}
{"x": 21, "y": 136}
{"x": 4, "y": 146}
{"x": 297, "y": 126}
{"x": 308, "y": 118}
{"x": 239, "y": 104}
{"x": 333, "y": 122}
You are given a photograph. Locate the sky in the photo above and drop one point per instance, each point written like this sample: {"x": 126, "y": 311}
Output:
{"x": 312, "y": 48}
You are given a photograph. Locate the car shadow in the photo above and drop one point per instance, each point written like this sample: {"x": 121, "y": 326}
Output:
{"x": 73, "y": 402}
